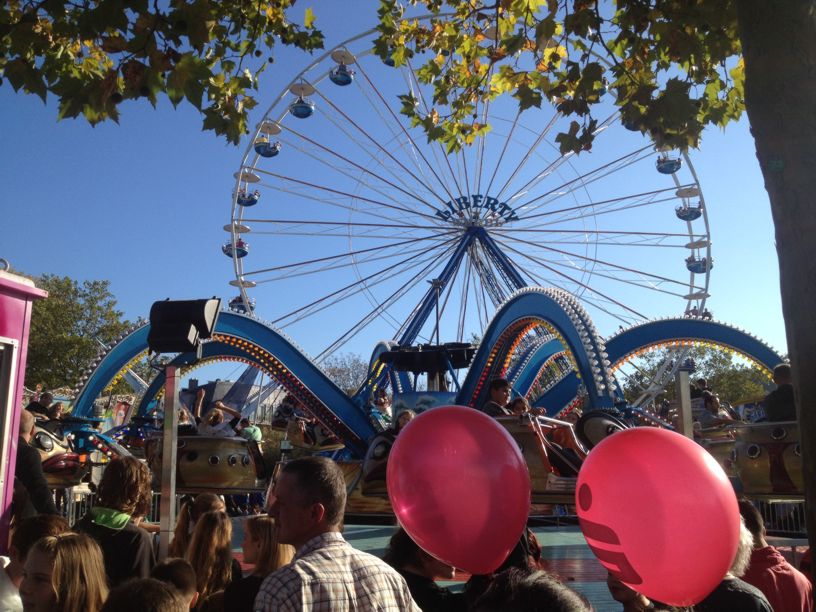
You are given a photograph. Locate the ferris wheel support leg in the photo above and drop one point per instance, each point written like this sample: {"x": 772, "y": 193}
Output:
{"x": 167, "y": 508}
{"x": 681, "y": 383}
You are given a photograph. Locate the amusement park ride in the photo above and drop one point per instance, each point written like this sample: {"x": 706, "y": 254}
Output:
{"x": 522, "y": 248}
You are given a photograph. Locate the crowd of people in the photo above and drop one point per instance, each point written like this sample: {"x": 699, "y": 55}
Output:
{"x": 300, "y": 560}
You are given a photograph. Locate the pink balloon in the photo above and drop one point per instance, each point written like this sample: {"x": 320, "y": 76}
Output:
{"x": 460, "y": 487}
{"x": 659, "y": 513}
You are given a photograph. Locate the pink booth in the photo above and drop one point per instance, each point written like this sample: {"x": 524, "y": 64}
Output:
{"x": 17, "y": 295}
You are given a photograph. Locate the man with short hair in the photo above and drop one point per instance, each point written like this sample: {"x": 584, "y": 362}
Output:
{"x": 779, "y": 403}
{"x": 327, "y": 574}
{"x": 499, "y": 391}
{"x": 145, "y": 595}
{"x": 180, "y": 574}
{"x": 785, "y": 587}
{"x": 40, "y": 406}
{"x": 26, "y": 533}
{"x": 29, "y": 470}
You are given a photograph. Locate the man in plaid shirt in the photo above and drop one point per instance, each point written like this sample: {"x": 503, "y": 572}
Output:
{"x": 327, "y": 574}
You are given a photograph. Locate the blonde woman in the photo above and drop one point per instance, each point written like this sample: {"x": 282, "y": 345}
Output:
{"x": 261, "y": 549}
{"x": 210, "y": 554}
{"x": 189, "y": 514}
{"x": 64, "y": 573}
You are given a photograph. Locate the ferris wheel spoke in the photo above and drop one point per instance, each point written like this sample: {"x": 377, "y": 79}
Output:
{"x": 370, "y": 258}
{"x": 642, "y": 284}
{"x": 582, "y": 180}
{"x": 414, "y": 85}
{"x": 379, "y": 146}
{"x": 409, "y": 148}
{"x": 612, "y": 238}
{"x": 337, "y": 201}
{"x": 343, "y": 193}
{"x": 460, "y": 330}
{"x": 410, "y": 138}
{"x": 482, "y": 264}
{"x": 341, "y": 255}
{"x": 344, "y": 224}
{"x": 595, "y": 304}
{"x": 527, "y": 155}
{"x": 380, "y": 307}
{"x": 411, "y": 195}
{"x": 560, "y": 160}
{"x": 596, "y": 261}
{"x": 377, "y": 189}
{"x": 578, "y": 282}
{"x": 349, "y": 290}
{"x": 603, "y": 206}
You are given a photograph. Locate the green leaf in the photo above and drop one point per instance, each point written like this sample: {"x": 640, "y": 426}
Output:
{"x": 188, "y": 79}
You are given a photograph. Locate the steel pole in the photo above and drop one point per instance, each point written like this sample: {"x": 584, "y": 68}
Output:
{"x": 167, "y": 507}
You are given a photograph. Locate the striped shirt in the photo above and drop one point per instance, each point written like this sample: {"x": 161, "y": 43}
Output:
{"x": 329, "y": 575}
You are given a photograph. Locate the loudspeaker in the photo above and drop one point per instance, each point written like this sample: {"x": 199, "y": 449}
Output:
{"x": 179, "y": 326}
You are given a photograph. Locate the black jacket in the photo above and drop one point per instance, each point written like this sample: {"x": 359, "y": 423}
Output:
{"x": 128, "y": 552}
{"x": 30, "y": 473}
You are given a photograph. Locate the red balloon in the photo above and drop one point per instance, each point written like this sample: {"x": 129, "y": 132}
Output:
{"x": 659, "y": 513}
{"x": 460, "y": 487}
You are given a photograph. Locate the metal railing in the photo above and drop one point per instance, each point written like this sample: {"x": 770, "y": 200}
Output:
{"x": 74, "y": 503}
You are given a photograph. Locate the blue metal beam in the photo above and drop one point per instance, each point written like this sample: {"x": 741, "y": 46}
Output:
{"x": 503, "y": 263}
{"x": 426, "y": 306}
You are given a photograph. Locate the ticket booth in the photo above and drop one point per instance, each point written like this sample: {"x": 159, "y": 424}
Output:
{"x": 17, "y": 295}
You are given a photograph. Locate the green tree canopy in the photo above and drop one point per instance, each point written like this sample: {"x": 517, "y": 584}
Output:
{"x": 66, "y": 329}
{"x": 672, "y": 66}
{"x": 732, "y": 379}
{"x": 95, "y": 54}
{"x": 347, "y": 370}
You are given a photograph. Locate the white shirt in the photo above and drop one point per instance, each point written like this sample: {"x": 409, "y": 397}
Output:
{"x": 9, "y": 595}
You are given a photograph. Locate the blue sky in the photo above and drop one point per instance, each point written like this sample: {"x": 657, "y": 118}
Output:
{"x": 143, "y": 203}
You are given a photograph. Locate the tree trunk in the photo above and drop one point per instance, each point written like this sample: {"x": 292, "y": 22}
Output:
{"x": 779, "y": 47}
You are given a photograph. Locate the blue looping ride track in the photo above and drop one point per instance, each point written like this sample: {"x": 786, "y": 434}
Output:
{"x": 548, "y": 324}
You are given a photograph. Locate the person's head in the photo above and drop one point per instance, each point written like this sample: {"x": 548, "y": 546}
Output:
{"x": 28, "y": 531}
{"x": 64, "y": 573}
{"x": 405, "y": 417}
{"x": 518, "y": 590}
{"x": 179, "y": 574}
{"x": 383, "y": 404}
{"x": 710, "y": 401}
{"x": 210, "y": 552}
{"x": 145, "y": 595}
{"x": 782, "y": 374}
{"x": 190, "y": 512}
{"x": 702, "y": 384}
{"x": 743, "y": 556}
{"x": 309, "y": 498}
{"x": 55, "y": 410}
{"x": 405, "y": 554}
{"x": 753, "y": 521}
{"x": 244, "y": 422}
{"x": 215, "y": 417}
{"x": 27, "y": 421}
{"x": 520, "y": 405}
{"x": 625, "y": 595}
{"x": 45, "y": 399}
{"x": 261, "y": 547}
{"x": 184, "y": 416}
{"x": 125, "y": 486}
{"x": 500, "y": 391}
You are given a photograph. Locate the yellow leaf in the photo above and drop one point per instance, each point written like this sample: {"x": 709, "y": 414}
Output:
{"x": 309, "y": 18}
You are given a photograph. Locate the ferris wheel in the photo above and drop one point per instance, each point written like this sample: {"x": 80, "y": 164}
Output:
{"x": 346, "y": 223}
